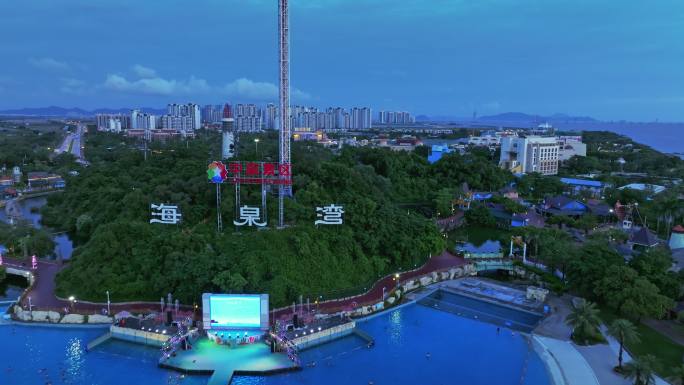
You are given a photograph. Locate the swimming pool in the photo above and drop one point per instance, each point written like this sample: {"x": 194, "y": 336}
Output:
{"x": 461, "y": 350}
{"x": 500, "y": 315}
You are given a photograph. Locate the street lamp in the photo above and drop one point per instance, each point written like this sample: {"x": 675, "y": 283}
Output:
{"x": 72, "y": 299}
{"x": 256, "y": 146}
{"x": 383, "y": 293}
{"x": 108, "y": 303}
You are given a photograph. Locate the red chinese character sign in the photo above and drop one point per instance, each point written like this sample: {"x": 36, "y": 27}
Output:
{"x": 267, "y": 173}
{"x": 249, "y": 173}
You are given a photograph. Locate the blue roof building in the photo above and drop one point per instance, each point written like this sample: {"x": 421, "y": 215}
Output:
{"x": 437, "y": 151}
{"x": 582, "y": 182}
{"x": 578, "y": 185}
{"x": 562, "y": 205}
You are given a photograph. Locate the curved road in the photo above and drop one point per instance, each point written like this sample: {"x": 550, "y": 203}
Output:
{"x": 43, "y": 291}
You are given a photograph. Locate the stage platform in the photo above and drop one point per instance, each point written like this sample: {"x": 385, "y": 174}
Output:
{"x": 222, "y": 362}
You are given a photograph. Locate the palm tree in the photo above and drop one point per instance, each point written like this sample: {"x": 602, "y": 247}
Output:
{"x": 625, "y": 332}
{"x": 641, "y": 370}
{"x": 584, "y": 319}
{"x": 677, "y": 377}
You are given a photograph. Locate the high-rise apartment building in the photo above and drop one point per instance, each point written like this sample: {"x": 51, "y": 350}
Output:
{"x": 271, "y": 117}
{"x": 143, "y": 121}
{"x": 530, "y": 154}
{"x": 212, "y": 114}
{"x": 247, "y": 118}
{"x": 113, "y": 122}
{"x": 395, "y": 118}
{"x": 227, "y": 111}
{"x": 361, "y": 118}
{"x": 332, "y": 118}
{"x": 182, "y": 117}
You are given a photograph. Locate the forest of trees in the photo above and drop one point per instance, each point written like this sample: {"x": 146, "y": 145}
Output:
{"x": 31, "y": 148}
{"x": 387, "y": 197}
{"x": 642, "y": 287}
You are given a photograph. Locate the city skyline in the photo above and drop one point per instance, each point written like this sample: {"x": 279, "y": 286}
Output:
{"x": 447, "y": 59}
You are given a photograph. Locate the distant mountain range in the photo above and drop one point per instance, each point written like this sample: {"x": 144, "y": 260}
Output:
{"x": 510, "y": 117}
{"x": 522, "y": 117}
{"x": 73, "y": 112}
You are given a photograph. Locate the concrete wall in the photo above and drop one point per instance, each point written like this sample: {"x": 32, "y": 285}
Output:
{"x": 138, "y": 336}
{"x": 324, "y": 336}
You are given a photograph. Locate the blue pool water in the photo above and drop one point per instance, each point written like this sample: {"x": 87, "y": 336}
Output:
{"x": 443, "y": 300}
{"x": 462, "y": 351}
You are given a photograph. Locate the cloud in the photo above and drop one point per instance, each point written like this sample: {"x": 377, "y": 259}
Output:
{"x": 48, "y": 63}
{"x": 144, "y": 72}
{"x": 249, "y": 89}
{"x": 156, "y": 85}
{"x": 73, "y": 86}
{"x": 150, "y": 83}
{"x": 300, "y": 95}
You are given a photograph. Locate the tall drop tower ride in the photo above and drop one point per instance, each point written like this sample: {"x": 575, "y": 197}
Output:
{"x": 284, "y": 103}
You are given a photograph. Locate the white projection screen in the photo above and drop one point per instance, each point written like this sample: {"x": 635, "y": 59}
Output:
{"x": 235, "y": 311}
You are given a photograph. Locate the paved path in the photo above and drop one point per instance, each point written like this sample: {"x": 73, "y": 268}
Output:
{"x": 554, "y": 325}
{"x": 565, "y": 361}
{"x": 43, "y": 297}
{"x": 614, "y": 346}
{"x": 43, "y": 292}
{"x": 602, "y": 360}
{"x": 443, "y": 261}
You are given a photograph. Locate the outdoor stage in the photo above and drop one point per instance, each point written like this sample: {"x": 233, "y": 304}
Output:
{"x": 222, "y": 362}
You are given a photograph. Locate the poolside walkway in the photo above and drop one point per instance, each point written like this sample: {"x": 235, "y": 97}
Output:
{"x": 554, "y": 324}
{"x": 614, "y": 347}
{"x": 602, "y": 359}
{"x": 565, "y": 363}
{"x": 43, "y": 291}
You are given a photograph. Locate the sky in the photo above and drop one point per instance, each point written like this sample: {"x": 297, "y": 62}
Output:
{"x": 609, "y": 59}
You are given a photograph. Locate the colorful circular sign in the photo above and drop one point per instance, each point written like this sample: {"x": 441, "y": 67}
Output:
{"x": 216, "y": 172}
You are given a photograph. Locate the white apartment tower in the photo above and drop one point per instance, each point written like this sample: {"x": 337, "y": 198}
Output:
{"x": 530, "y": 154}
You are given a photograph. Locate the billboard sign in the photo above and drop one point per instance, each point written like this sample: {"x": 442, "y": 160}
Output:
{"x": 235, "y": 311}
{"x": 259, "y": 173}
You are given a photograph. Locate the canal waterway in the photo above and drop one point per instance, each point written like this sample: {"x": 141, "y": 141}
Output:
{"x": 30, "y": 211}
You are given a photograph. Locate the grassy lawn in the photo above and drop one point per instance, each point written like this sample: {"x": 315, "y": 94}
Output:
{"x": 668, "y": 353}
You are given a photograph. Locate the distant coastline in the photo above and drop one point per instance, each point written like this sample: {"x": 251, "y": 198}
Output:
{"x": 663, "y": 137}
